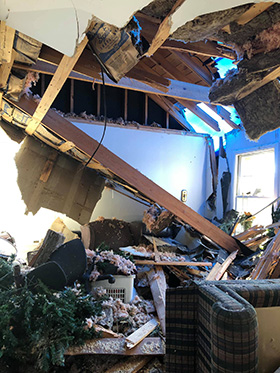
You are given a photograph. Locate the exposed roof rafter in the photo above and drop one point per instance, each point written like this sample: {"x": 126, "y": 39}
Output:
{"x": 192, "y": 106}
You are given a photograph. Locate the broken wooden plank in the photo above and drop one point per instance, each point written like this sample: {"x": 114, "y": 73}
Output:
{"x": 117, "y": 346}
{"x": 135, "y": 338}
{"x": 204, "y": 48}
{"x": 132, "y": 365}
{"x": 276, "y": 271}
{"x": 106, "y": 333}
{"x": 251, "y": 232}
{"x": 218, "y": 270}
{"x": 131, "y": 176}
{"x": 157, "y": 282}
{"x": 164, "y": 29}
{"x": 270, "y": 256}
{"x": 61, "y": 74}
{"x": 182, "y": 276}
{"x": 51, "y": 242}
{"x": 173, "y": 263}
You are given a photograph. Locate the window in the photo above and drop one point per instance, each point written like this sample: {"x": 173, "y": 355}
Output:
{"x": 255, "y": 184}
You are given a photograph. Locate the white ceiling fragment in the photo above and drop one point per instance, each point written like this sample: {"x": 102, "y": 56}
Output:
{"x": 60, "y": 24}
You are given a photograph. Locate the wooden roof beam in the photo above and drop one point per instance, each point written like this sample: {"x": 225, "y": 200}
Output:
{"x": 176, "y": 89}
{"x": 208, "y": 48}
{"x": 192, "y": 106}
{"x": 164, "y": 29}
{"x": 253, "y": 12}
{"x": 250, "y": 14}
{"x": 61, "y": 74}
{"x": 170, "y": 69}
{"x": 201, "y": 72}
{"x": 166, "y": 105}
{"x": 224, "y": 114}
{"x": 67, "y": 131}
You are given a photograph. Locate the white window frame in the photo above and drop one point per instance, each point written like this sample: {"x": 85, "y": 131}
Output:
{"x": 257, "y": 150}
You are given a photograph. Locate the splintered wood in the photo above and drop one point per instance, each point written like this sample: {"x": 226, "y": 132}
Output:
{"x": 268, "y": 260}
{"x": 133, "y": 339}
{"x": 218, "y": 270}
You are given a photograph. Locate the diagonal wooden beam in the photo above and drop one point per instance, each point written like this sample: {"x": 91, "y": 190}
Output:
{"x": 61, "y": 74}
{"x": 224, "y": 114}
{"x": 253, "y": 12}
{"x": 164, "y": 29}
{"x": 166, "y": 105}
{"x": 67, "y": 131}
{"x": 201, "y": 72}
{"x": 192, "y": 106}
{"x": 250, "y": 14}
{"x": 208, "y": 48}
{"x": 250, "y": 88}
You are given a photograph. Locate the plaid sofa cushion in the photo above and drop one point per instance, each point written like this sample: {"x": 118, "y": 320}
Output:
{"x": 211, "y": 326}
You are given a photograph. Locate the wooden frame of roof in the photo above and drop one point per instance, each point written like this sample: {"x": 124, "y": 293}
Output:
{"x": 157, "y": 77}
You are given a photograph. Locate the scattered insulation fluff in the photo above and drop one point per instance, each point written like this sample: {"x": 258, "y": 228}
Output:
{"x": 123, "y": 265}
{"x": 156, "y": 219}
{"x": 31, "y": 79}
{"x": 266, "y": 41}
{"x": 122, "y": 317}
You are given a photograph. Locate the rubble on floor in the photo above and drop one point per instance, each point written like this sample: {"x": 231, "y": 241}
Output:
{"x": 115, "y": 289}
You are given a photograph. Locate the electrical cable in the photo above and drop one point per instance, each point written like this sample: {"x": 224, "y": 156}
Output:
{"x": 105, "y": 117}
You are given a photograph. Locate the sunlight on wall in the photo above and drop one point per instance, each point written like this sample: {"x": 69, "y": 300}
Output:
{"x": 25, "y": 228}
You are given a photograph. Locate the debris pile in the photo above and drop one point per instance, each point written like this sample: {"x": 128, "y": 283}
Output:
{"x": 74, "y": 287}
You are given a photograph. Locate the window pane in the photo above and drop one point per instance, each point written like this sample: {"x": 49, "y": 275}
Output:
{"x": 256, "y": 174}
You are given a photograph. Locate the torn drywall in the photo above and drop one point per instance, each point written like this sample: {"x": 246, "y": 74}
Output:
{"x": 57, "y": 182}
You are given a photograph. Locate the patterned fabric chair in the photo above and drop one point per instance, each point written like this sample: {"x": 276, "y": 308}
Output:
{"x": 211, "y": 326}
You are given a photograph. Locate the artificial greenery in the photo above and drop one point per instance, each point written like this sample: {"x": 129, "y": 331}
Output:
{"x": 36, "y": 327}
{"x": 246, "y": 220}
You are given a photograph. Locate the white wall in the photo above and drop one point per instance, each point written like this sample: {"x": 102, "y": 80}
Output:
{"x": 172, "y": 159}
{"x": 238, "y": 143}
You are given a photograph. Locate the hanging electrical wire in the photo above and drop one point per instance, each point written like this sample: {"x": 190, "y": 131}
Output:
{"x": 105, "y": 110}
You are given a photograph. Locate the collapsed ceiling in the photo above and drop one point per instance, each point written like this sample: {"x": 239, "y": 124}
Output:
{"x": 161, "y": 55}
